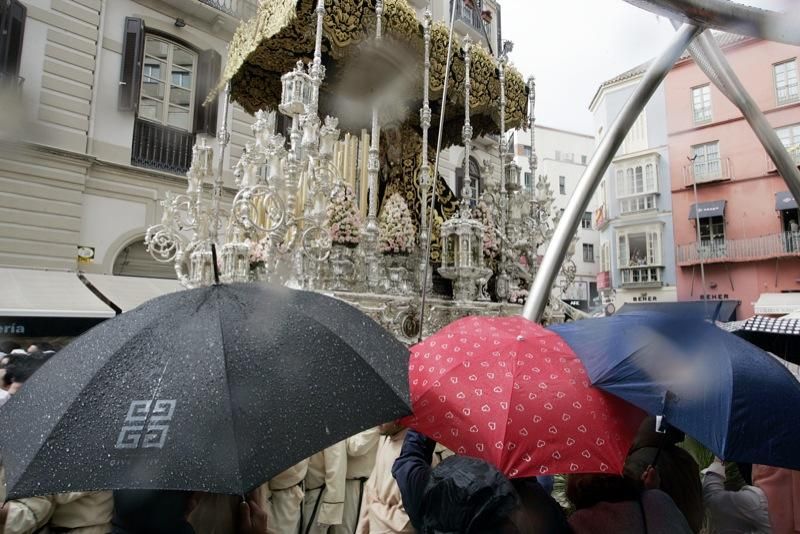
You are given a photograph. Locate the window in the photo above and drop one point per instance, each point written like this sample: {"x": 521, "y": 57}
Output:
{"x": 701, "y": 103}
{"x": 475, "y": 179}
{"x": 12, "y": 28}
{"x": 167, "y": 94}
{"x": 525, "y": 151}
{"x": 588, "y": 253}
{"x": 569, "y": 156}
{"x": 712, "y": 230}
{"x": 706, "y": 162}
{"x": 558, "y": 155}
{"x": 605, "y": 256}
{"x": 583, "y": 160}
{"x": 786, "y": 86}
{"x": 528, "y": 184}
{"x": 637, "y": 184}
{"x": 562, "y": 185}
{"x": 639, "y": 247}
{"x": 636, "y": 139}
{"x": 586, "y": 220}
{"x": 790, "y": 137}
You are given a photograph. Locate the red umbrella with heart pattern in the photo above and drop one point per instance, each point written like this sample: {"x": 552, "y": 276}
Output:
{"x": 507, "y": 391}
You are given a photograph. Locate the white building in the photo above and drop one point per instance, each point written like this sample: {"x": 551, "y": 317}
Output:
{"x": 562, "y": 157}
{"x": 102, "y": 104}
{"x": 633, "y": 202}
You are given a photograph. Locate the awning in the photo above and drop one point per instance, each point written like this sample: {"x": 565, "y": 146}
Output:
{"x": 777, "y": 303}
{"x": 128, "y": 292}
{"x": 47, "y": 294}
{"x": 47, "y": 303}
{"x": 714, "y": 310}
{"x": 785, "y": 201}
{"x": 704, "y": 210}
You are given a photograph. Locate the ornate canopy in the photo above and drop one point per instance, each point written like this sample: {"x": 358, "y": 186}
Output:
{"x": 282, "y": 33}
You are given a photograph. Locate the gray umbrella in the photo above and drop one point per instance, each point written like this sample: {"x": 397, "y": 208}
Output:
{"x": 214, "y": 389}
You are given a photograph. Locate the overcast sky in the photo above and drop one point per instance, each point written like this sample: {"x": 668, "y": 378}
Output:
{"x": 572, "y": 46}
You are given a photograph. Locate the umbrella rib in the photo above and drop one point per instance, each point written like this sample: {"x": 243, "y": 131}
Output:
{"x": 357, "y": 353}
{"x": 230, "y": 399}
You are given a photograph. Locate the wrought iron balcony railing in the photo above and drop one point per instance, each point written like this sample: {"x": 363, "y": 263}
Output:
{"x": 471, "y": 16}
{"x": 161, "y": 148}
{"x": 240, "y": 9}
{"x": 793, "y": 150}
{"x": 709, "y": 171}
{"x": 740, "y": 250}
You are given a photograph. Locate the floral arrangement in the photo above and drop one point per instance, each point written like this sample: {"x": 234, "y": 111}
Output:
{"x": 396, "y": 227}
{"x": 518, "y": 295}
{"x": 258, "y": 252}
{"x": 490, "y": 245}
{"x": 343, "y": 216}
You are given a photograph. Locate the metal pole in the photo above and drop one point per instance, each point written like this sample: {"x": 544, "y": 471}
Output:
{"x": 601, "y": 159}
{"x": 223, "y": 138}
{"x": 436, "y": 167}
{"x": 709, "y": 57}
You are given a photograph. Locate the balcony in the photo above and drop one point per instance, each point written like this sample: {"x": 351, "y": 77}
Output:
{"x": 712, "y": 171}
{"x": 161, "y": 148}
{"x": 468, "y": 20}
{"x": 239, "y": 9}
{"x": 637, "y": 204}
{"x": 794, "y": 151}
{"x": 785, "y": 244}
{"x": 641, "y": 277}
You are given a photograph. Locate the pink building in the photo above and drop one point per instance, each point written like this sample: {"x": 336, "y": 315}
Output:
{"x": 748, "y": 222}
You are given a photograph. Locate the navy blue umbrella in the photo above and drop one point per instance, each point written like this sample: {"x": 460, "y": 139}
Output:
{"x": 729, "y": 395}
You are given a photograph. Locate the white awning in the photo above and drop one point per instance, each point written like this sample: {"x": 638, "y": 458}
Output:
{"x": 32, "y": 293}
{"x": 128, "y": 292}
{"x": 777, "y": 303}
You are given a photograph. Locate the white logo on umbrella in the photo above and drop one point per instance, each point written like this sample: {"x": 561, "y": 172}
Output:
{"x": 154, "y": 415}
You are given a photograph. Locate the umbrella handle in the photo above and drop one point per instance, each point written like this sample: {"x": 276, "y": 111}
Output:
{"x": 214, "y": 259}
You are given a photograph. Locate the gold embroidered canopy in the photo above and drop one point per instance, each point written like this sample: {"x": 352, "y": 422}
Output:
{"x": 282, "y": 33}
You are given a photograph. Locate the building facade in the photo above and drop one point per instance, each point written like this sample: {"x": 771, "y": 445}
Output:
{"x": 633, "y": 207}
{"x": 735, "y": 221}
{"x": 105, "y": 101}
{"x": 562, "y": 157}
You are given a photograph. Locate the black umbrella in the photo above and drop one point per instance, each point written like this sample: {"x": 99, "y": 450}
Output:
{"x": 214, "y": 389}
{"x": 778, "y": 335}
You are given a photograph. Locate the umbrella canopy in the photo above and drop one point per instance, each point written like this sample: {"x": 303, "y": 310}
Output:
{"x": 215, "y": 389}
{"x": 507, "y": 391}
{"x": 780, "y": 336}
{"x": 726, "y": 393}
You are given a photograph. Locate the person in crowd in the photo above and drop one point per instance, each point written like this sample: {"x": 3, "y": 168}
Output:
{"x": 382, "y": 510}
{"x": 616, "y": 504}
{"x": 361, "y": 451}
{"x": 733, "y": 512}
{"x": 678, "y": 473}
{"x": 469, "y": 495}
{"x": 782, "y": 488}
{"x": 285, "y": 499}
{"x": 325, "y": 483}
{"x": 213, "y": 513}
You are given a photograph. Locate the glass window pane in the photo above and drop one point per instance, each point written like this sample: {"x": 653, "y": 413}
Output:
{"x": 156, "y": 48}
{"x": 151, "y": 109}
{"x": 180, "y": 97}
{"x": 182, "y": 79}
{"x": 178, "y": 117}
{"x": 183, "y": 58}
{"x": 153, "y": 90}
{"x": 152, "y": 70}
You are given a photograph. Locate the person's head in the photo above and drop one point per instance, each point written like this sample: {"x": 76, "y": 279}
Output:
{"x": 471, "y": 496}
{"x": 7, "y": 346}
{"x": 391, "y": 428}
{"x": 586, "y": 490}
{"x": 538, "y": 512}
{"x": 20, "y": 368}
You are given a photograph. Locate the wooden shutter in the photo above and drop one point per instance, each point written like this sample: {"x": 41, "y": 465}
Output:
{"x": 209, "y": 64}
{"x": 130, "y": 78}
{"x": 12, "y": 29}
